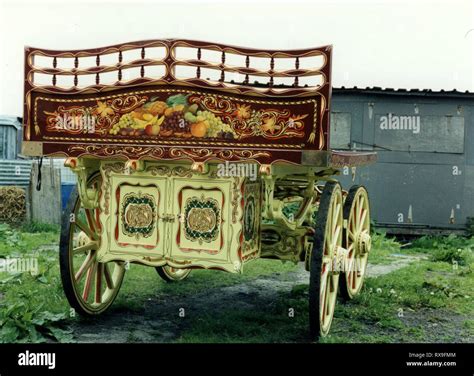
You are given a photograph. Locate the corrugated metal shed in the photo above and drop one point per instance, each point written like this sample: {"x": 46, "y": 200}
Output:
{"x": 17, "y": 171}
{"x": 423, "y": 180}
{"x": 10, "y": 135}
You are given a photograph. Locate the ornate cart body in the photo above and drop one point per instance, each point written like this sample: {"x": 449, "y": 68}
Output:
{"x": 189, "y": 155}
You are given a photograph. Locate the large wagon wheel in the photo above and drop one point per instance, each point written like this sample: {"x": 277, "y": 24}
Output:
{"x": 357, "y": 241}
{"x": 90, "y": 286}
{"x": 324, "y": 272}
{"x": 170, "y": 274}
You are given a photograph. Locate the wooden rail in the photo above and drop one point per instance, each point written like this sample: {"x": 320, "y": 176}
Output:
{"x": 287, "y": 92}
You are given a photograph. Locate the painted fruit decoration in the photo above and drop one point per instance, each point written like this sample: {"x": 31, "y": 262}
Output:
{"x": 174, "y": 118}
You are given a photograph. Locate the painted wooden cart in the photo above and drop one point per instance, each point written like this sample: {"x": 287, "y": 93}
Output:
{"x": 196, "y": 155}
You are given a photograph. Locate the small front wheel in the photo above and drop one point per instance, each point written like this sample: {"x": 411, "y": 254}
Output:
{"x": 170, "y": 274}
{"x": 324, "y": 276}
{"x": 90, "y": 286}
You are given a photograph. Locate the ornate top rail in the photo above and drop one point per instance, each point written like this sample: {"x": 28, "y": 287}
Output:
{"x": 271, "y": 104}
{"x": 184, "y": 62}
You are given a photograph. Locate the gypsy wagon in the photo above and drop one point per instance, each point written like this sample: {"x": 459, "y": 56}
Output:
{"x": 157, "y": 133}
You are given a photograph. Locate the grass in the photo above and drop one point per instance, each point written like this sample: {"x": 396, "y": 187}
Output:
{"x": 32, "y": 307}
{"x": 396, "y": 307}
{"x": 384, "y": 249}
{"x": 16, "y": 241}
{"x": 429, "y": 300}
{"x": 25, "y": 299}
{"x": 403, "y": 306}
{"x": 142, "y": 282}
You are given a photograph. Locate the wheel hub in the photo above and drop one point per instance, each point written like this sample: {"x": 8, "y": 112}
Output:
{"x": 363, "y": 242}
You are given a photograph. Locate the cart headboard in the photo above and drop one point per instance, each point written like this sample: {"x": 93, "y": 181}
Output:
{"x": 177, "y": 99}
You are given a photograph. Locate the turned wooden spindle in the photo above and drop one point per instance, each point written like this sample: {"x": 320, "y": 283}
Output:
{"x": 247, "y": 65}
{"x": 120, "y": 58}
{"x": 76, "y": 65}
{"x": 97, "y": 63}
{"x": 272, "y": 65}
{"x": 297, "y": 66}
{"x": 142, "y": 68}
{"x": 55, "y": 64}
{"x": 222, "y": 67}
{"x": 198, "y": 69}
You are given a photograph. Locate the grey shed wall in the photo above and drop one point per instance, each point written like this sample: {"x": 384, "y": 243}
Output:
{"x": 422, "y": 181}
{"x": 9, "y": 137}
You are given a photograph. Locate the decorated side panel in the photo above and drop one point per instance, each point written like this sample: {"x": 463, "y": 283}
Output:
{"x": 132, "y": 209}
{"x": 252, "y": 214}
{"x": 173, "y": 123}
{"x": 203, "y": 232}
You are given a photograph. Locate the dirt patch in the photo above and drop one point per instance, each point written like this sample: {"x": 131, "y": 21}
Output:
{"x": 439, "y": 325}
{"x": 400, "y": 262}
{"x": 164, "y": 317}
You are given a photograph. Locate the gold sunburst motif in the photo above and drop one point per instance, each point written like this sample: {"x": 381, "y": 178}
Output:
{"x": 202, "y": 220}
{"x": 138, "y": 215}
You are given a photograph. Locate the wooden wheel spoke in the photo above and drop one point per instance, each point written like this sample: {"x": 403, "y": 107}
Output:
{"x": 88, "y": 247}
{"x": 353, "y": 222}
{"x": 335, "y": 239}
{"x": 337, "y": 211}
{"x": 323, "y": 300}
{"x": 88, "y": 284}
{"x": 108, "y": 278}
{"x": 350, "y": 234}
{"x": 329, "y": 293}
{"x": 85, "y": 228}
{"x": 327, "y": 246}
{"x": 363, "y": 218}
{"x": 84, "y": 267}
{"x": 90, "y": 216}
{"x": 332, "y": 287}
{"x": 98, "y": 283}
